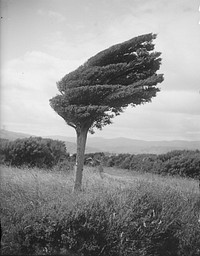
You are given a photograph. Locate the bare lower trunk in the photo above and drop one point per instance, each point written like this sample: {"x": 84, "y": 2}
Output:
{"x": 81, "y": 142}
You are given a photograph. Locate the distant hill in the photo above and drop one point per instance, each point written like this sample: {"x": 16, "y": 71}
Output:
{"x": 4, "y": 134}
{"x": 126, "y": 145}
{"x": 116, "y": 145}
{"x": 71, "y": 146}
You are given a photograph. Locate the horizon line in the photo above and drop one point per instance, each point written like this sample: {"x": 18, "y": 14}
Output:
{"x": 119, "y": 137}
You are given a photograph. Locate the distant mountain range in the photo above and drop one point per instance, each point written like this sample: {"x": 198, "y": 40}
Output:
{"x": 70, "y": 145}
{"x": 115, "y": 145}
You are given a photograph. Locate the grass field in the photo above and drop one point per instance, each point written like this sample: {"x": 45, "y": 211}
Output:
{"x": 122, "y": 214}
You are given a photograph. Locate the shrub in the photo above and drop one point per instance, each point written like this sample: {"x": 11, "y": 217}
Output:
{"x": 34, "y": 152}
{"x": 181, "y": 162}
{"x": 94, "y": 156}
{"x": 185, "y": 163}
{"x": 3, "y": 147}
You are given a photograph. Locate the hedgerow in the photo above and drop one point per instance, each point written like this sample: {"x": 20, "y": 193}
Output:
{"x": 185, "y": 163}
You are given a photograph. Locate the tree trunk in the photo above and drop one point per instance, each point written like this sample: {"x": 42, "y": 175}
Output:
{"x": 81, "y": 142}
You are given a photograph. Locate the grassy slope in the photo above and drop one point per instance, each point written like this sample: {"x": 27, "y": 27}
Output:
{"x": 28, "y": 195}
{"x": 179, "y": 184}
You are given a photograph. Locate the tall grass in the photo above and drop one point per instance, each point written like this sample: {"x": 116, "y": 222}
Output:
{"x": 138, "y": 214}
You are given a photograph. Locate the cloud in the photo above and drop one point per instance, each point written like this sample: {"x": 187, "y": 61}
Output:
{"x": 79, "y": 50}
{"x": 59, "y": 17}
{"x": 52, "y": 15}
{"x": 27, "y": 85}
{"x": 180, "y": 102}
{"x": 177, "y": 40}
{"x": 171, "y": 115}
{"x": 144, "y": 123}
{"x": 29, "y": 82}
{"x": 35, "y": 71}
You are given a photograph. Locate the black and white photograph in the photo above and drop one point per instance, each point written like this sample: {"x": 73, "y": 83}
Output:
{"x": 100, "y": 127}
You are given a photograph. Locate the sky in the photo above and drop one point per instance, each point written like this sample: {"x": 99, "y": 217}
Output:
{"x": 43, "y": 40}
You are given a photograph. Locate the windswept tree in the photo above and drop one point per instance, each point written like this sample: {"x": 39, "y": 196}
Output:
{"x": 90, "y": 96}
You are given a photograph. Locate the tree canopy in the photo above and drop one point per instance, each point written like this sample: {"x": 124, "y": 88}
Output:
{"x": 108, "y": 82}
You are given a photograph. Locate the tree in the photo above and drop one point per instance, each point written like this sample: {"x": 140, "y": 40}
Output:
{"x": 90, "y": 96}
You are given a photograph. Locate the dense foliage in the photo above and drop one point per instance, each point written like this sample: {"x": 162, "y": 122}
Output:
{"x": 3, "y": 146}
{"x": 102, "y": 87}
{"x": 33, "y": 151}
{"x": 39, "y": 152}
{"x": 185, "y": 163}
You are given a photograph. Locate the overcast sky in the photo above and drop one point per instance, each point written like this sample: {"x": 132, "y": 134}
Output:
{"x": 42, "y": 40}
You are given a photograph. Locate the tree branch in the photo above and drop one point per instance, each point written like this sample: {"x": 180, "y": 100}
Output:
{"x": 123, "y": 73}
{"x": 72, "y": 125}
